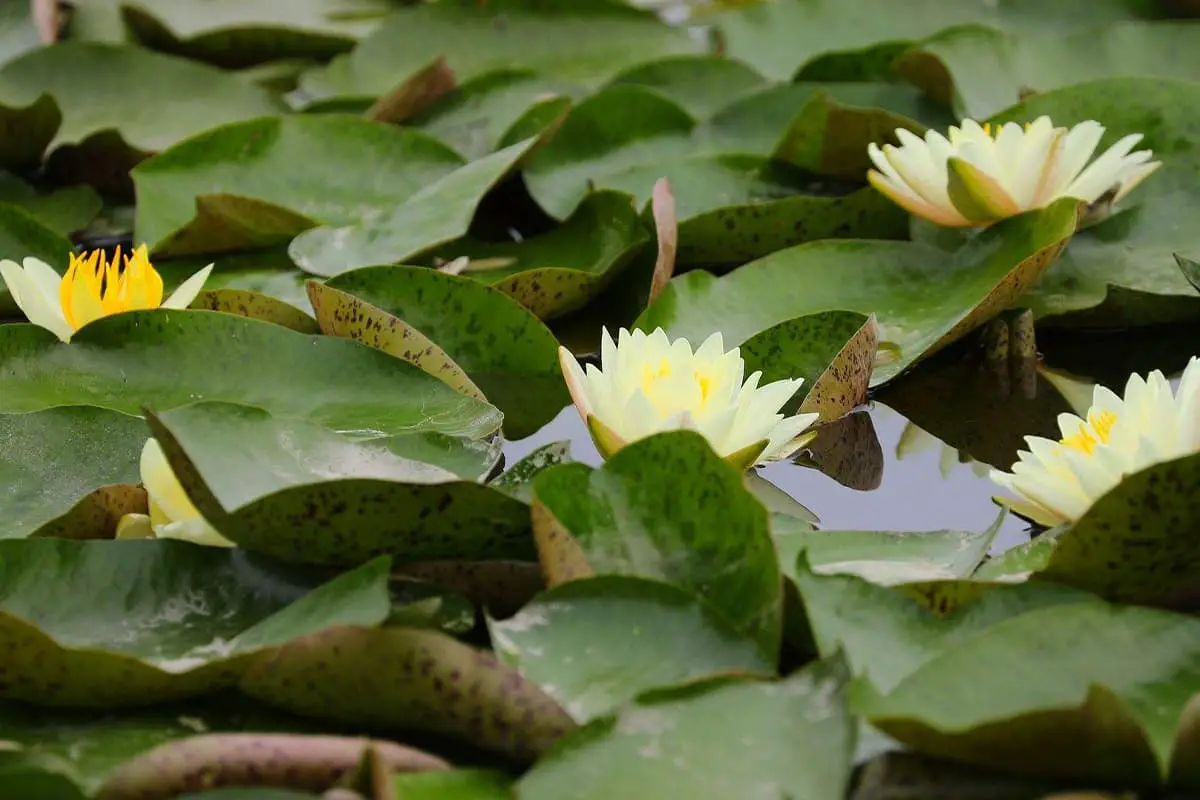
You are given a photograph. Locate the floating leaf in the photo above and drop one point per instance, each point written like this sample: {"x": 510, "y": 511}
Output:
{"x": 460, "y": 784}
{"x": 255, "y": 305}
{"x": 700, "y": 84}
{"x": 236, "y": 187}
{"x": 440, "y": 212}
{"x": 126, "y": 623}
{"x": 433, "y": 683}
{"x": 118, "y": 362}
{"x": 63, "y": 211}
{"x": 561, "y": 270}
{"x": 593, "y": 645}
{"x": 518, "y": 480}
{"x": 53, "y": 462}
{"x": 301, "y": 493}
{"x": 711, "y": 741}
{"x": 504, "y": 349}
{"x": 666, "y": 508}
{"x": 923, "y": 298}
{"x": 23, "y": 236}
{"x": 586, "y": 42}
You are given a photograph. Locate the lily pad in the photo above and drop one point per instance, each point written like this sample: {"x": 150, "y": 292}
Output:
{"x": 23, "y": 236}
{"x": 983, "y": 70}
{"x": 63, "y": 211}
{"x": 459, "y": 784}
{"x": 255, "y": 305}
{"x": 518, "y": 479}
{"x": 700, "y": 84}
{"x": 505, "y": 350}
{"x": 100, "y": 89}
{"x": 301, "y": 493}
{"x": 236, "y": 187}
{"x": 562, "y": 270}
{"x": 711, "y": 741}
{"x": 127, "y": 623}
{"x": 239, "y": 34}
{"x": 832, "y": 351}
{"x": 594, "y": 645}
{"x": 440, "y": 212}
{"x": 1133, "y": 545}
{"x": 1121, "y": 271}
{"x": 53, "y": 462}
{"x": 586, "y": 42}
{"x": 670, "y": 509}
{"x": 924, "y": 299}
{"x": 118, "y": 362}
{"x": 433, "y": 683}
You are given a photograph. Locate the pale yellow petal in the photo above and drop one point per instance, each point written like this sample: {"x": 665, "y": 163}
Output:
{"x": 183, "y": 296}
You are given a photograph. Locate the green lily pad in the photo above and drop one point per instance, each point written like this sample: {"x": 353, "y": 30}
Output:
{"x": 1191, "y": 270}
{"x": 433, "y": 683}
{"x": 564, "y": 269}
{"x": 103, "y": 90}
{"x": 832, "y": 351}
{"x": 438, "y": 213}
{"x": 476, "y": 117}
{"x": 923, "y": 298}
{"x": 670, "y": 509}
{"x": 779, "y": 38}
{"x": 458, "y": 784}
{"x": 237, "y": 187}
{"x": 22, "y": 236}
{"x": 165, "y": 359}
{"x": 256, "y": 305}
{"x": 586, "y": 42}
{"x": 239, "y": 34}
{"x": 269, "y": 272}
{"x": 700, "y": 84}
{"x": 635, "y": 635}
{"x": 518, "y": 479}
{"x": 1134, "y": 545}
{"x": 982, "y": 70}
{"x": 301, "y": 493}
{"x": 711, "y": 741}
{"x": 1121, "y": 271}
{"x": 126, "y": 623}
{"x": 53, "y": 462}
{"x": 63, "y": 211}
{"x": 505, "y": 350}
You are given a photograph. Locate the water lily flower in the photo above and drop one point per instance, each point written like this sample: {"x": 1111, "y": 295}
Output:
{"x": 172, "y": 514}
{"x": 93, "y": 287}
{"x": 1058, "y": 481}
{"x": 647, "y": 383}
{"x": 975, "y": 178}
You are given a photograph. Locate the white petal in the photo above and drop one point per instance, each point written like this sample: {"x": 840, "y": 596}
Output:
{"x": 1103, "y": 173}
{"x": 187, "y": 291}
{"x": 1076, "y": 150}
{"x": 27, "y": 294}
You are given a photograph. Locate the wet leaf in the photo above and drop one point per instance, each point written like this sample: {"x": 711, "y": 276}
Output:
{"x": 635, "y": 516}
{"x": 116, "y": 361}
{"x": 127, "y": 623}
{"x": 439, "y": 212}
{"x": 586, "y": 42}
{"x": 460, "y": 784}
{"x": 832, "y": 351}
{"x": 714, "y": 740}
{"x": 1134, "y": 544}
{"x": 594, "y": 645}
{"x": 894, "y": 280}
{"x": 236, "y": 187}
{"x": 63, "y": 211}
{"x": 51, "y": 463}
{"x": 434, "y": 683}
{"x": 504, "y": 349}
{"x": 256, "y": 305}
{"x": 301, "y": 493}
{"x": 561, "y": 270}
{"x": 700, "y": 84}
{"x": 500, "y": 587}
{"x": 23, "y": 236}
{"x": 518, "y": 480}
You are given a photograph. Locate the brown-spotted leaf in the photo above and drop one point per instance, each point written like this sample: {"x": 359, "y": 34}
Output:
{"x": 97, "y": 514}
{"x": 560, "y": 555}
{"x": 501, "y": 587}
{"x": 256, "y": 305}
{"x": 848, "y": 451}
{"x": 432, "y": 682}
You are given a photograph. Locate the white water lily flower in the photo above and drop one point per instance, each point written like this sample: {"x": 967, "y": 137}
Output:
{"x": 974, "y": 179}
{"x": 93, "y": 287}
{"x": 647, "y": 384}
{"x": 1058, "y": 481}
{"x": 172, "y": 514}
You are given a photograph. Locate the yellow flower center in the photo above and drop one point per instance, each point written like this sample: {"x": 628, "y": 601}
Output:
{"x": 96, "y": 287}
{"x": 651, "y": 376}
{"x": 1096, "y": 431}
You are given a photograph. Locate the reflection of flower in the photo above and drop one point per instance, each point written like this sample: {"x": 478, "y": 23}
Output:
{"x": 647, "y": 384}
{"x": 1058, "y": 481}
{"x": 93, "y": 287}
{"x": 172, "y": 514}
{"x": 973, "y": 178}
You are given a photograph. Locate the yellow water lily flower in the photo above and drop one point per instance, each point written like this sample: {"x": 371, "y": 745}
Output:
{"x": 93, "y": 287}
{"x": 647, "y": 383}
{"x": 172, "y": 514}
{"x": 977, "y": 177}
{"x": 1057, "y": 482}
